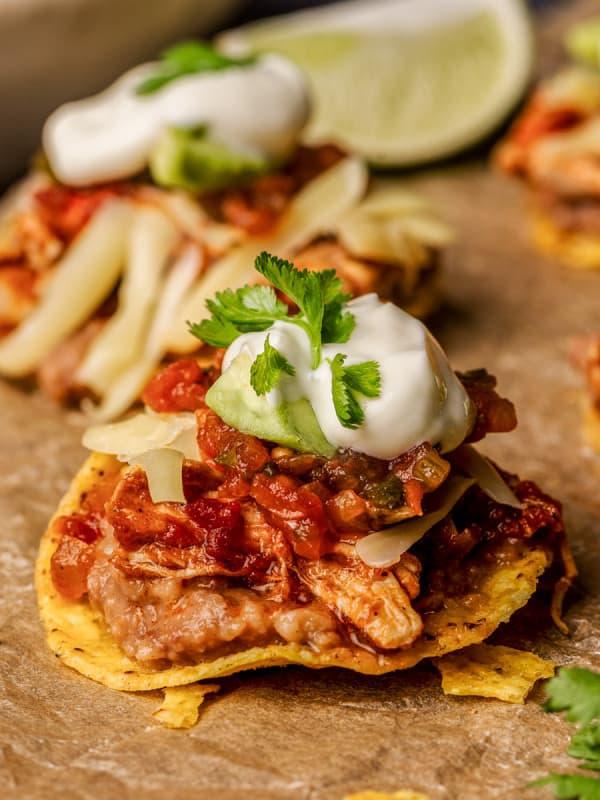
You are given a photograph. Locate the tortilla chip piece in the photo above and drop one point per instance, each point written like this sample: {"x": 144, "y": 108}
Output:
{"x": 401, "y": 794}
{"x": 591, "y": 426}
{"x": 79, "y": 637}
{"x": 486, "y": 670}
{"x": 181, "y": 704}
{"x": 577, "y": 249}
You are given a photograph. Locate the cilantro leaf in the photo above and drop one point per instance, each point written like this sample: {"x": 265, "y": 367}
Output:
{"x": 577, "y": 691}
{"x": 331, "y": 286}
{"x": 216, "y": 331}
{"x": 571, "y": 787}
{"x": 267, "y": 369}
{"x": 346, "y": 382}
{"x": 188, "y": 58}
{"x": 252, "y": 308}
{"x": 321, "y": 314}
{"x": 364, "y": 378}
{"x": 337, "y": 324}
{"x": 303, "y": 288}
{"x": 318, "y": 296}
{"x": 585, "y": 745}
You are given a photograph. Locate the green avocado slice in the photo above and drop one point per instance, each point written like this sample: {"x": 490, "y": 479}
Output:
{"x": 292, "y": 425}
{"x": 190, "y": 159}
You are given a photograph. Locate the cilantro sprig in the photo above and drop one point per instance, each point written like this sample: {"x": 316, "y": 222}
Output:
{"x": 347, "y": 382}
{"x": 268, "y": 367}
{"x": 318, "y": 296}
{"x": 577, "y": 691}
{"x": 188, "y": 58}
{"x": 321, "y": 313}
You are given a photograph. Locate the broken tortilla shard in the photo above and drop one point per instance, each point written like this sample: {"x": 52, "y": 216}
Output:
{"x": 401, "y": 794}
{"x": 181, "y": 704}
{"x": 495, "y": 671}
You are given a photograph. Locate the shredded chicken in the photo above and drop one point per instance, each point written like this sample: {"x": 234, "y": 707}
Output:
{"x": 56, "y": 372}
{"x": 372, "y": 600}
{"x": 17, "y": 294}
{"x": 40, "y": 246}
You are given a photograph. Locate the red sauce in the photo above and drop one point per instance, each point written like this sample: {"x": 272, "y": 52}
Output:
{"x": 180, "y": 386}
{"x": 302, "y": 502}
{"x": 295, "y": 510}
{"x": 229, "y": 447}
{"x": 83, "y": 527}
{"x": 67, "y": 210}
{"x": 222, "y": 529}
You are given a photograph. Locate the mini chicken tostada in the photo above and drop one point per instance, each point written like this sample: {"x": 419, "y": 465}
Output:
{"x": 161, "y": 190}
{"x": 553, "y": 148}
{"x": 313, "y": 500}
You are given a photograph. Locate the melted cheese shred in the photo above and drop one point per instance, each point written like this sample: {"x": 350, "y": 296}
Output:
{"x": 384, "y": 548}
{"x": 82, "y": 280}
{"x": 150, "y": 246}
{"x": 128, "y": 385}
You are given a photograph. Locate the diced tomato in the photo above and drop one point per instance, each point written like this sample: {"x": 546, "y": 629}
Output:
{"x": 215, "y": 524}
{"x": 297, "y": 511}
{"x": 137, "y": 521}
{"x": 66, "y": 210}
{"x": 79, "y": 526}
{"x": 223, "y": 528}
{"x": 229, "y": 447}
{"x": 70, "y": 565}
{"x": 180, "y": 386}
{"x": 413, "y": 492}
{"x": 234, "y": 487}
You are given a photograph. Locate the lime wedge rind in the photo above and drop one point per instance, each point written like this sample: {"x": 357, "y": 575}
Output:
{"x": 404, "y": 82}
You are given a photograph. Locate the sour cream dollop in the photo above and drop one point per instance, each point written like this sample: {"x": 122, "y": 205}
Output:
{"x": 421, "y": 398}
{"x": 257, "y": 109}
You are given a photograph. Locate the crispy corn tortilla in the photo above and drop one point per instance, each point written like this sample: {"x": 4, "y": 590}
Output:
{"x": 486, "y": 670}
{"x": 180, "y": 707}
{"x": 591, "y": 426}
{"x": 401, "y": 794}
{"x": 79, "y": 637}
{"x": 576, "y": 249}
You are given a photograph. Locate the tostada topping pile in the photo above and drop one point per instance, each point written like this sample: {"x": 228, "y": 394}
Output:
{"x": 314, "y": 486}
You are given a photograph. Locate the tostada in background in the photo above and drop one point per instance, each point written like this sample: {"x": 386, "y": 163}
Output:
{"x": 553, "y": 148}
{"x": 151, "y": 196}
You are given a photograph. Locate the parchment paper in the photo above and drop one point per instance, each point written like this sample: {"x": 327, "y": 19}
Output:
{"x": 295, "y": 734}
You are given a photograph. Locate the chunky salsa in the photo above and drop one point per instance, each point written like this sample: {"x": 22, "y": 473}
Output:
{"x": 262, "y": 548}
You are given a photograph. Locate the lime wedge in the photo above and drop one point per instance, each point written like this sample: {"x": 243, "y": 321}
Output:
{"x": 403, "y": 81}
{"x": 583, "y": 42}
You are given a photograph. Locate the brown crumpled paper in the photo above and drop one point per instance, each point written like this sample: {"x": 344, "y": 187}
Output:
{"x": 294, "y": 734}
